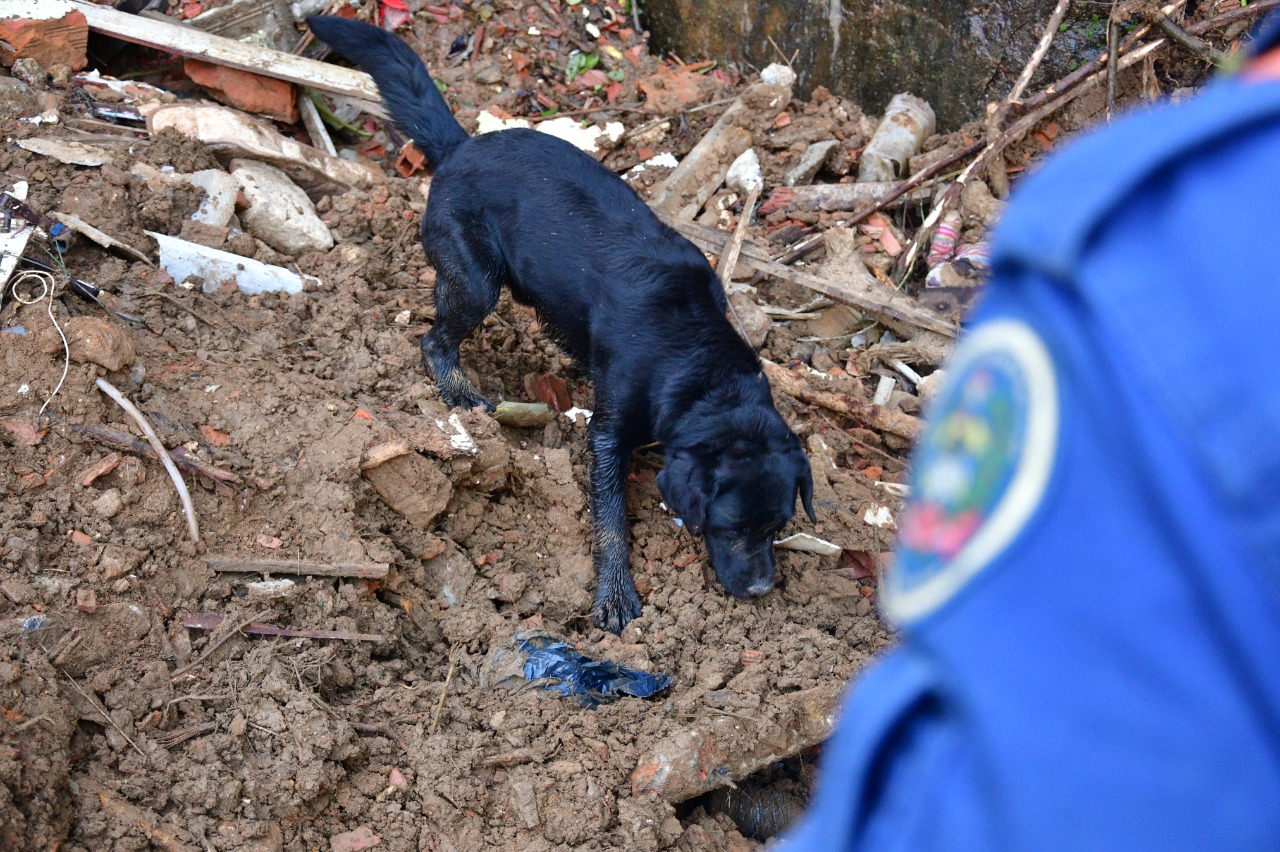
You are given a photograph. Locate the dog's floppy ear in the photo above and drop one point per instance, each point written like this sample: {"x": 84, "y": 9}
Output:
{"x": 804, "y": 484}
{"x": 683, "y": 483}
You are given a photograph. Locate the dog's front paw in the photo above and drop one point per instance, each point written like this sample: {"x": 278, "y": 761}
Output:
{"x": 615, "y": 607}
{"x": 467, "y": 399}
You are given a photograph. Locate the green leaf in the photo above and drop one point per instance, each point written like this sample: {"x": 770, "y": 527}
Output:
{"x": 580, "y": 62}
{"x": 617, "y": 75}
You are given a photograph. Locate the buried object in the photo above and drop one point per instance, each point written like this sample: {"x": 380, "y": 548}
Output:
{"x": 537, "y": 659}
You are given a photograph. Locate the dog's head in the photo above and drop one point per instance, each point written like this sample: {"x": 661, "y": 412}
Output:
{"x": 738, "y": 496}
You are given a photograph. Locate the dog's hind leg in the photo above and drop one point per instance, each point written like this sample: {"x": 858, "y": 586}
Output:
{"x": 616, "y": 600}
{"x": 468, "y": 284}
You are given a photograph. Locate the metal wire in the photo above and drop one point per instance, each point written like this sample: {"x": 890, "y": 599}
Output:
{"x": 24, "y": 290}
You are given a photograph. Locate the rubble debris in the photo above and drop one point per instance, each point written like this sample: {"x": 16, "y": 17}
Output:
{"x": 79, "y": 226}
{"x": 185, "y": 260}
{"x": 811, "y": 161}
{"x": 362, "y": 570}
{"x": 809, "y": 544}
{"x": 53, "y": 32}
{"x": 726, "y": 139}
{"x": 759, "y": 811}
{"x": 907, "y": 122}
{"x": 17, "y": 99}
{"x": 230, "y": 134}
{"x": 523, "y": 414}
{"x": 220, "y": 189}
{"x": 278, "y": 212}
{"x": 66, "y": 151}
{"x": 183, "y": 458}
{"x": 718, "y": 750}
{"x": 410, "y": 484}
{"x": 894, "y": 422}
{"x": 243, "y": 56}
{"x": 276, "y": 99}
{"x": 13, "y": 242}
{"x": 94, "y": 340}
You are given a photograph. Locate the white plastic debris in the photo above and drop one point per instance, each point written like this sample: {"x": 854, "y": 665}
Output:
{"x": 879, "y": 516}
{"x": 183, "y": 260}
{"x": 460, "y": 439}
{"x": 778, "y": 75}
{"x": 589, "y": 139}
{"x": 744, "y": 174}
{"x": 809, "y": 544}
{"x": 13, "y": 243}
{"x": 574, "y": 413}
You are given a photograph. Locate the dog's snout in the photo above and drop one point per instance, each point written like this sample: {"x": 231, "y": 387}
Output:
{"x": 760, "y": 587}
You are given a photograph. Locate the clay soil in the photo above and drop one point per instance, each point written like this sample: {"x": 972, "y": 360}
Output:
{"x": 123, "y": 728}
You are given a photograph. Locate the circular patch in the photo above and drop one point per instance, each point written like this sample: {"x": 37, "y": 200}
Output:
{"x": 980, "y": 469}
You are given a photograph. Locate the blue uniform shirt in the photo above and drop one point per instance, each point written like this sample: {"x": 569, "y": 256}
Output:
{"x": 1088, "y": 573}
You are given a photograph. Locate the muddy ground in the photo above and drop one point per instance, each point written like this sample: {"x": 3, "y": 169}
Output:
{"x": 121, "y": 727}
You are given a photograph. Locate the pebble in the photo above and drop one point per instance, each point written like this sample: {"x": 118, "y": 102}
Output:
{"x": 109, "y": 504}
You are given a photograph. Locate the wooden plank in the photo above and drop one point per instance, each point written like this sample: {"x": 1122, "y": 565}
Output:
{"x": 189, "y": 41}
{"x": 866, "y": 293}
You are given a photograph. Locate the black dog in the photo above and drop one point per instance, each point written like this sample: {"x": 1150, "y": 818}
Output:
{"x": 628, "y": 298}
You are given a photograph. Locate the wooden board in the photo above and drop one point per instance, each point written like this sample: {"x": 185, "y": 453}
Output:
{"x": 189, "y": 41}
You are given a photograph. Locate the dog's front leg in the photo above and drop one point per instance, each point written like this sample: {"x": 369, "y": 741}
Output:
{"x": 617, "y": 600}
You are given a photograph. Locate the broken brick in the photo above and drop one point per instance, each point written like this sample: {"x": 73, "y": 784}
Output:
{"x": 49, "y": 41}
{"x": 86, "y": 600}
{"x": 245, "y": 91}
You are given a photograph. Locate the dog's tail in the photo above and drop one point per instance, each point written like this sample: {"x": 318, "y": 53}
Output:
{"x": 411, "y": 96}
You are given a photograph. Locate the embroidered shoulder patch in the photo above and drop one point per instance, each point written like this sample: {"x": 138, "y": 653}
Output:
{"x": 981, "y": 468}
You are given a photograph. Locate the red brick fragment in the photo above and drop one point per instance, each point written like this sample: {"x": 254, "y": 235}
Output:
{"x": 242, "y": 90}
{"x": 51, "y": 41}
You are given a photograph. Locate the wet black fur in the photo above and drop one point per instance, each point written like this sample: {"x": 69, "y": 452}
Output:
{"x": 627, "y": 297}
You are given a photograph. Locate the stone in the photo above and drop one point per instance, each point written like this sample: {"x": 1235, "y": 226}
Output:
{"x": 52, "y": 32}
{"x": 834, "y": 322}
{"x": 16, "y": 98}
{"x": 755, "y": 322}
{"x": 94, "y": 340}
{"x": 245, "y": 91}
{"x": 811, "y": 161}
{"x": 29, "y": 70}
{"x": 279, "y": 212}
{"x": 109, "y": 503}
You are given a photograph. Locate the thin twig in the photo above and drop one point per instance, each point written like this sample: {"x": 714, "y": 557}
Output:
{"x": 435, "y": 719}
{"x": 193, "y": 528}
{"x": 209, "y": 652}
{"x": 103, "y": 713}
{"x": 1113, "y": 53}
{"x": 1197, "y": 46}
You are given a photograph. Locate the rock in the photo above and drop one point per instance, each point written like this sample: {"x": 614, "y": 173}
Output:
{"x": 811, "y": 161}
{"x": 86, "y": 600}
{"x": 249, "y": 92}
{"x": 118, "y": 560}
{"x": 16, "y": 98}
{"x": 977, "y": 201}
{"x": 489, "y": 74}
{"x": 109, "y": 503}
{"x": 411, "y": 485}
{"x": 755, "y": 322}
{"x": 931, "y": 385}
{"x": 353, "y": 841}
{"x": 29, "y": 70}
{"x": 94, "y": 340}
{"x": 279, "y": 213}
{"x": 52, "y": 32}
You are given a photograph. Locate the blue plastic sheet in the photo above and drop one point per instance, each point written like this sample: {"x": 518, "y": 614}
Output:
{"x": 577, "y": 676}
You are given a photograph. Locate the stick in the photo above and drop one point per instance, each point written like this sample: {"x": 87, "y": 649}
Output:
{"x": 380, "y": 730}
{"x": 132, "y": 816}
{"x": 1046, "y": 39}
{"x": 193, "y": 528}
{"x": 189, "y": 41}
{"x": 103, "y": 713}
{"x": 729, "y": 259}
{"x": 1197, "y": 46}
{"x": 125, "y": 442}
{"x": 872, "y": 296}
{"x": 435, "y": 719}
{"x": 209, "y": 652}
{"x": 914, "y": 181}
{"x": 884, "y": 419}
{"x": 245, "y": 565}
{"x": 212, "y": 620}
